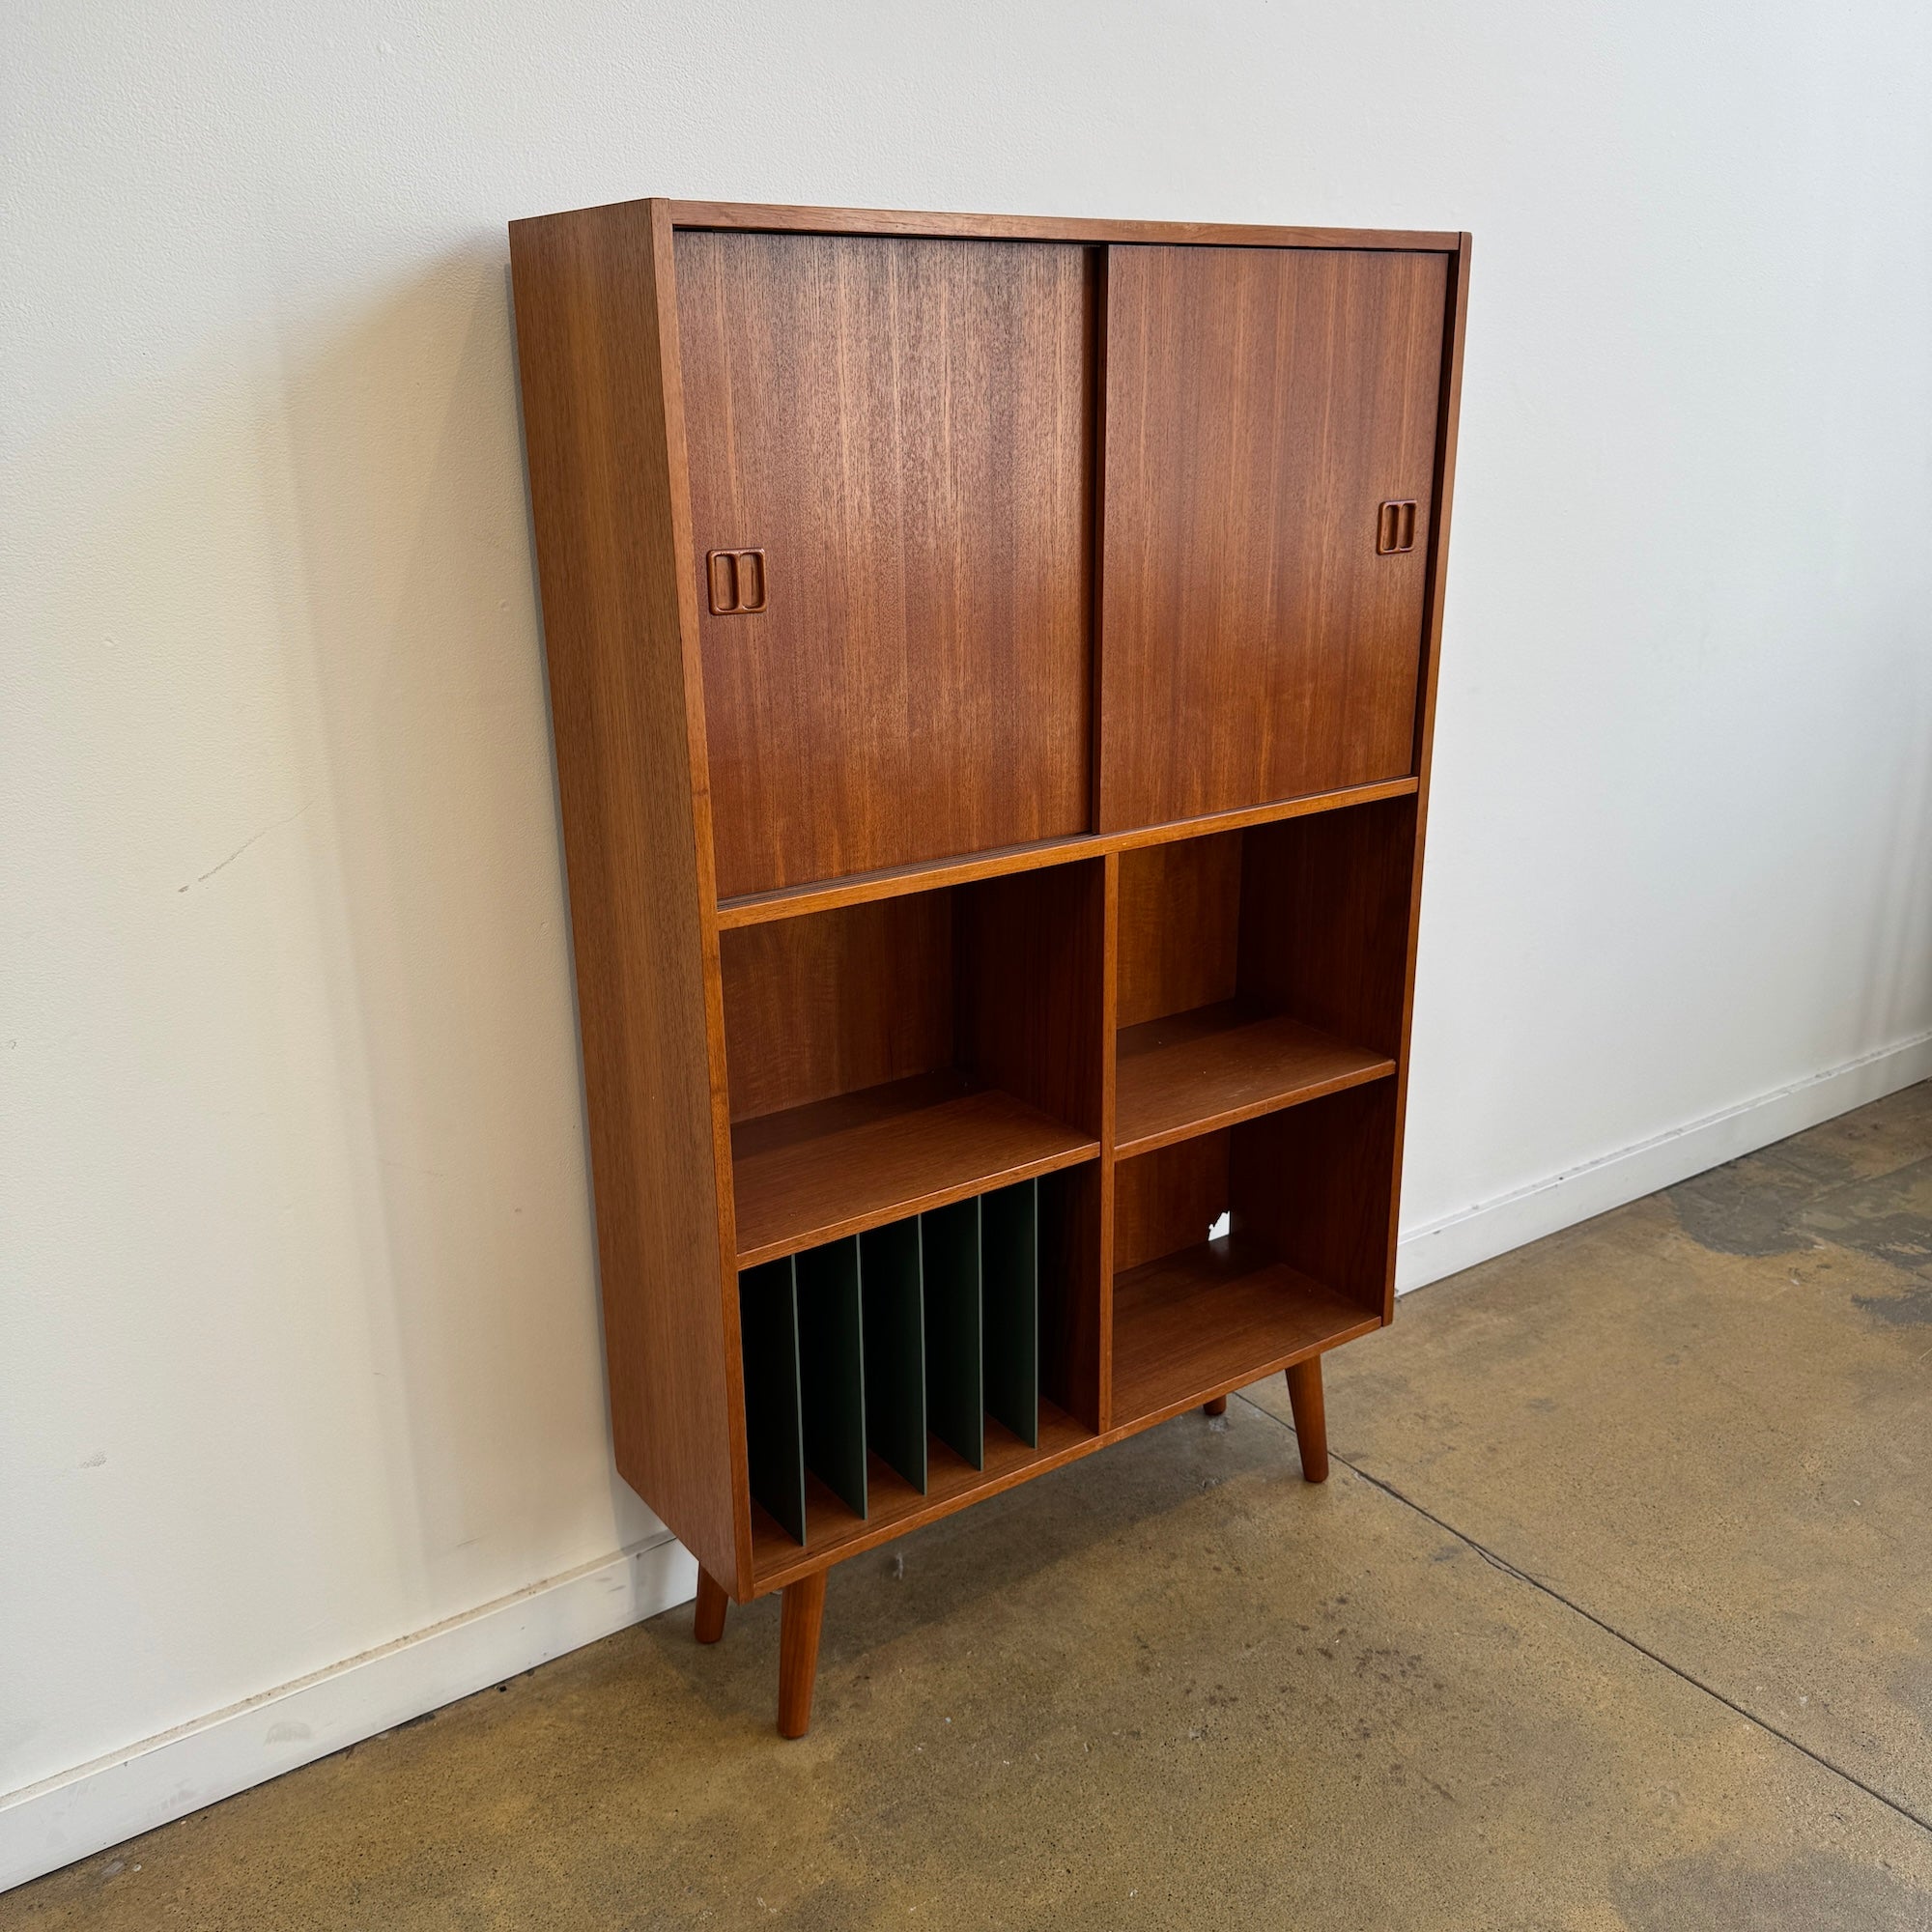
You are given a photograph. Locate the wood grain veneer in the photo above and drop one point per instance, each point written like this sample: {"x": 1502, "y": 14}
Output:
{"x": 1324, "y": 930}
{"x": 1317, "y": 1184}
{"x": 1259, "y": 406}
{"x": 1170, "y": 1198}
{"x": 1448, "y": 418}
{"x": 1193, "y": 1324}
{"x": 1180, "y": 919}
{"x": 857, "y": 997}
{"x": 597, "y": 349}
{"x": 1210, "y": 1067}
{"x": 902, "y": 427}
{"x": 859, "y": 1160}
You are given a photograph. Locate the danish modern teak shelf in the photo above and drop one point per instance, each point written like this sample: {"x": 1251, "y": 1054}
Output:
{"x": 992, "y": 663}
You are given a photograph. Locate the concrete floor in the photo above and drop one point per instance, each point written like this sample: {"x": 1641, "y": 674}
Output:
{"x": 1615, "y": 1613}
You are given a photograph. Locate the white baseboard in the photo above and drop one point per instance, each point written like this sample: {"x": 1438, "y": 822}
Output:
{"x": 1493, "y": 1228}
{"x": 82, "y": 1811}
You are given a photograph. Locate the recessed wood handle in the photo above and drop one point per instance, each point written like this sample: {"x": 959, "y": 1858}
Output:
{"x": 736, "y": 581}
{"x": 1395, "y": 526}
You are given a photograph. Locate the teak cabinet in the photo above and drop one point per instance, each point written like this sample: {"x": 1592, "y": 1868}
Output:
{"x": 991, "y": 666}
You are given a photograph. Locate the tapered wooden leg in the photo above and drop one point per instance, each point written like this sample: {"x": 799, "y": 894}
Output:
{"x": 1218, "y": 1407}
{"x": 1311, "y": 1424}
{"x": 801, "y": 1615}
{"x": 708, "y": 1626}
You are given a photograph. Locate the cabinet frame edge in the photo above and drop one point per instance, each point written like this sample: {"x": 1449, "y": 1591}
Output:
{"x": 605, "y": 454}
{"x": 1448, "y": 416}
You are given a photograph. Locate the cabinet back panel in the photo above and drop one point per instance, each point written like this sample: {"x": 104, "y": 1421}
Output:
{"x": 1318, "y": 1186}
{"x": 1261, "y": 404}
{"x": 1180, "y": 910}
{"x": 1324, "y": 927}
{"x": 1030, "y": 957}
{"x": 1167, "y": 1201}
{"x": 904, "y": 428}
{"x": 836, "y": 1000}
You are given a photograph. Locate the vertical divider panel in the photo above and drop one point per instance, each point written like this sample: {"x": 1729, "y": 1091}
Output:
{"x": 1031, "y": 976}
{"x": 1105, "y": 1266}
{"x": 1010, "y": 1304}
{"x": 1034, "y": 979}
{"x": 775, "y": 1439}
{"x": 955, "y": 1389}
{"x": 895, "y": 1328}
{"x": 1073, "y": 1291}
{"x": 831, "y": 1361}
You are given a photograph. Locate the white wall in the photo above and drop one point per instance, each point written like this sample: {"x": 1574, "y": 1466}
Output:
{"x": 297, "y": 1337}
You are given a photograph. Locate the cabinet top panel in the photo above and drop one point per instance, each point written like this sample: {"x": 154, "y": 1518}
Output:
{"x": 776, "y": 218}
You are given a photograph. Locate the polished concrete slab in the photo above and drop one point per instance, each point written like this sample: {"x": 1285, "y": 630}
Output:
{"x": 1617, "y": 1612}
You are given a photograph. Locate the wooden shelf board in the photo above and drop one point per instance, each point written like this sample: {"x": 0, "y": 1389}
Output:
{"x": 831, "y": 1531}
{"x": 822, "y": 894}
{"x": 1191, "y": 1072}
{"x": 1212, "y": 1317}
{"x": 811, "y": 1173}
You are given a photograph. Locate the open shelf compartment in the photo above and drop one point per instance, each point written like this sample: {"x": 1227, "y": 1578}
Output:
{"x": 893, "y": 1376}
{"x": 894, "y": 1056}
{"x": 1303, "y": 1262}
{"x": 1259, "y": 969}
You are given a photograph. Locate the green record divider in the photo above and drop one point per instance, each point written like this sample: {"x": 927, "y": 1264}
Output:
{"x": 858, "y": 1348}
{"x": 955, "y": 1385}
{"x": 894, "y": 1329}
{"x": 1010, "y": 1277}
{"x": 774, "y": 1436}
{"x": 832, "y": 1359}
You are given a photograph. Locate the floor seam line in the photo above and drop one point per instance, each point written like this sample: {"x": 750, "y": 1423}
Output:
{"x": 1509, "y": 1568}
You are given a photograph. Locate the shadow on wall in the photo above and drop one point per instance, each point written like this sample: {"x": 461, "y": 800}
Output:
{"x": 412, "y": 583}
{"x": 310, "y": 1343}
{"x": 1898, "y": 992}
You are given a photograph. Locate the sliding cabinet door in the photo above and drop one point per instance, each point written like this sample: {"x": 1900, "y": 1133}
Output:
{"x": 891, "y": 458}
{"x": 1270, "y": 441}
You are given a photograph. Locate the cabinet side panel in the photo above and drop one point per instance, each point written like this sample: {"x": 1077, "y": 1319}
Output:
{"x": 602, "y": 439}
{"x": 1449, "y": 414}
